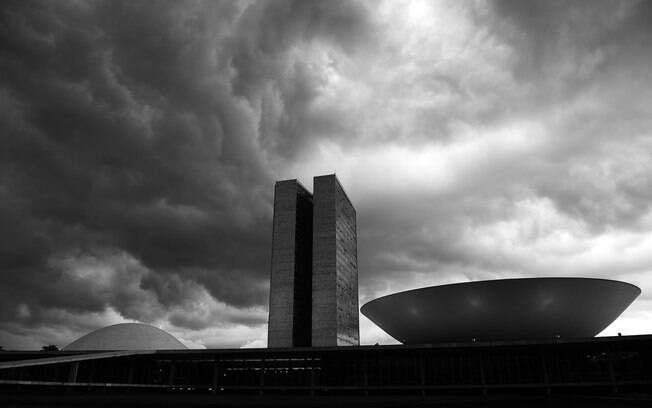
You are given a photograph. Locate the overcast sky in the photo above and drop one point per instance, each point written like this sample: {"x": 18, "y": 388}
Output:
{"x": 140, "y": 142}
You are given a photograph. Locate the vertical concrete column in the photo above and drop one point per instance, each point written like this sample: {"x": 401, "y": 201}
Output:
{"x": 612, "y": 373}
{"x": 365, "y": 374}
{"x": 544, "y": 369}
{"x": 173, "y": 366}
{"x": 72, "y": 374}
{"x": 132, "y": 369}
{"x": 261, "y": 379}
{"x": 91, "y": 375}
{"x": 312, "y": 377}
{"x": 422, "y": 373}
{"x": 216, "y": 375}
{"x": 483, "y": 380}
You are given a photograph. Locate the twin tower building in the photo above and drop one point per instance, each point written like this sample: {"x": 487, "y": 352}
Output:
{"x": 314, "y": 277}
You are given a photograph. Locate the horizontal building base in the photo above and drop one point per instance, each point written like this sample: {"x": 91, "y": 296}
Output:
{"x": 597, "y": 366}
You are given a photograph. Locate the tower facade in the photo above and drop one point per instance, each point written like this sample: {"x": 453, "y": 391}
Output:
{"x": 290, "y": 301}
{"x": 334, "y": 266}
{"x": 314, "y": 274}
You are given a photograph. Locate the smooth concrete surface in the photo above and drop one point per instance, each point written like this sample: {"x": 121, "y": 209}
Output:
{"x": 126, "y": 336}
{"x": 502, "y": 309}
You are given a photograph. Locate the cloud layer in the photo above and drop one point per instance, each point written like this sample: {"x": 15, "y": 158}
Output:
{"x": 477, "y": 140}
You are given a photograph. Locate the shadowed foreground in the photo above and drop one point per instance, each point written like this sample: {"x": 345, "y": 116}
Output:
{"x": 25, "y": 399}
{"x": 604, "y": 368}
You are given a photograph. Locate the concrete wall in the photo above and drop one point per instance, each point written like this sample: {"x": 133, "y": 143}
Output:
{"x": 281, "y": 287}
{"x": 334, "y": 266}
{"x": 346, "y": 259}
{"x": 290, "y": 283}
{"x": 324, "y": 306}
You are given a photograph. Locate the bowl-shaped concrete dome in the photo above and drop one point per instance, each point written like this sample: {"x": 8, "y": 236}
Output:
{"x": 504, "y": 309}
{"x": 127, "y": 336}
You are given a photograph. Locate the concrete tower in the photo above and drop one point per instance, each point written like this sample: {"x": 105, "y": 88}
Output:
{"x": 314, "y": 279}
{"x": 334, "y": 266}
{"x": 291, "y": 276}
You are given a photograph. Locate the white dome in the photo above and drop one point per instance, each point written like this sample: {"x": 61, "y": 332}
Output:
{"x": 127, "y": 336}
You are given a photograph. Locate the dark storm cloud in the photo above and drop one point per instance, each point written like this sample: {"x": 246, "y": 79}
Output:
{"x": 134, "y": 173}
{"x": 532, "y": 159}
{"x": 594, "y": 54}
{"x": 271, "y": 70}
{"x": 476, "y": 140}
